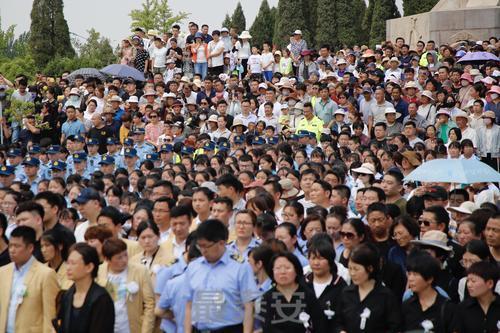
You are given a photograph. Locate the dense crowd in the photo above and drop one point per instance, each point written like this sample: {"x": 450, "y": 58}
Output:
{"x": 247, "y": 188}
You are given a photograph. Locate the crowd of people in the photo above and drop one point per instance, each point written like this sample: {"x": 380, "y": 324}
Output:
{"x": 247, "y": 188}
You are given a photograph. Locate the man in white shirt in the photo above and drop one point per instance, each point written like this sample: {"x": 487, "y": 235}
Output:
{"x": 89, "y": 205}
{"x": 245, "y": 116}
{"x": 270, "y": 97}
{"x": 215, "y": 54}
{"x": 222, "y": 131}
{"x": 159, "y": 56}
{"x": 462, "y": 119}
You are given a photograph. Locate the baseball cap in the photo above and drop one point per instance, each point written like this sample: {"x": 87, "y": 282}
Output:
{"x": 273, "y": 140}
{"x": 258, "y": 141}
{"x": 224, "y": 146}
{"x": 166, "y": 148}
{"x": 140, "y": 130}
{"x": 54, "y": 149}
{"x": 86, "y": 195}
{"x": 186, "y": 150}
{"x": 35, "y": 149}
{"x": 14, "y": 152}
{"x": 79, "y": 157}
{"x": 7, "y": 170}
{"x": 92, "y": 142}
{"x": 31, "y": 161}
{"x": 128, "y": 142}
{"x": 209, "y": 146}
{"x": 238, "y": 139}
{"x": 152, "y": 157}
{"x": 107, "y": 160}
{"x": 436, "y": 192}
{"x": 130, "y": 152}
{"x": 58, "y": 166}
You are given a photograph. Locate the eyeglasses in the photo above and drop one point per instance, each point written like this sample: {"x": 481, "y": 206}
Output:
{"x": 156, "y": 210}
{"x": 348, "y": 235}
{"x": 243, "y": 224}
{"x": 153, "y": 116}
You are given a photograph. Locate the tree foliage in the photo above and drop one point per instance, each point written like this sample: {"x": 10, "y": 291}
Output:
{"x": 382, "y": 10}
{"x": 349, "y": 11}
{"x": 227, "y": 22}
{"x": 326, "y": 24}
{"x": 289, "y": 19}
{"x": 310, "y": 10}
{"x": 263, "y": 26}
{"x": 411, "y": 7}
{"x": 155, "y": 14}
{"x": 49, "y": 36}
{"x": 96, "y": 51}
{"x": 238, "y": 20}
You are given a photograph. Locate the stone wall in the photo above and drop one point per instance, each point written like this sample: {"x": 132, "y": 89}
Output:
{"x": 446, "y": 26}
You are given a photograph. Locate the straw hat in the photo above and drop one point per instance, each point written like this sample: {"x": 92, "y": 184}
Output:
{"x": 289, "y": 191}
{"x": 412, "y": 157}
{"x": 245, "y": 35}
{"x": 365, "y": 168}
{"x": 466, "y": 207}
{"x": 434, "y": 238}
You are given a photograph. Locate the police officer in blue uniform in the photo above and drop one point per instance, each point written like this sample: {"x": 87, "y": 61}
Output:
{"x": 15, "y": 157}
{"x": 58, "y": 169}
{"x": 53, "y": 152}
{"x": 143, "y": 147}
{"x": 7, "y": 176}
{"x": 31, "y": 169}
{"x": 80, "y": 165}
{"x": 153, "y": 157}
{"x": 167, "y": 155}
{"x": 131, "y": 160}
{"x": 113, "y": 151}
{"x": 107, "y": 164}
{"x": 36, "y": 152}
{"x": 78, "y": 142}
{"x": 93, "y": 157}
{"x": 220, "y": 289}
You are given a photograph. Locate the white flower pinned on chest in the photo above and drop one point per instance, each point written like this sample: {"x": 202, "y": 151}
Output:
{"x": 132, "y": 289}
{"x": 427, "y": 326}
{"x": 329, "y": 313}
{"x": 155, "y": 269}
{"x": 304, "y": 318}
{"x": 364, "y": 317}
{"x": 22, "y": 292}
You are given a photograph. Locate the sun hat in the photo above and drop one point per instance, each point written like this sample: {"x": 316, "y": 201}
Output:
{"x": 434, "y": 238}
{"x": 466, "y": 207}
{"x": 245, "y": 35}
{"x": 365, "y": 168}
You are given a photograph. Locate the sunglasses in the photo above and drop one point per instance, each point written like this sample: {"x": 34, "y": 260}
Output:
{"x": 153, "y": 116}
{"x": 424, "y": 222}
{"x": 348, "y": 235}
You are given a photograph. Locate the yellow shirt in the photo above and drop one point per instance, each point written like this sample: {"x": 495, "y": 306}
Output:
{"x": 315, "y": 125}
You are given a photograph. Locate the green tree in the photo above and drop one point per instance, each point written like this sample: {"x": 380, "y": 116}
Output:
{"x": 49, "y": 36}
{"x": 96, "y": 51}
{"x": 366, "y": 25}
{"x": 310, "y": 14}
{"x": 227, "y": 22}
{"x": 411, "y": 7}
{"x": 155, "y": 14}
{"x": 288, "y": 19}
{"x": 238, "y": 20}
{"x": 326, "y": 24}
{"x": 349, "y": 11}
{"x": 382, "y": 10}
{"x": 263, "y": 27}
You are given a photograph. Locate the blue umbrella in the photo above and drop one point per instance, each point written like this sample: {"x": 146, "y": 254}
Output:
{"x": 478, "y": 57}
{"x": 460, "y": 171}
{"x": 86, "y": 73}
{"x": 123, "y": 71}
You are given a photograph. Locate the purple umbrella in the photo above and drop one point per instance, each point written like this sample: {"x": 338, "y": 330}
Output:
{"x": 123, "y": 71}
{"x": 478, "y": 57}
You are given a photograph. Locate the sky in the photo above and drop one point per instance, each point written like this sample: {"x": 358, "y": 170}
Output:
{"x": 110, "y": 17}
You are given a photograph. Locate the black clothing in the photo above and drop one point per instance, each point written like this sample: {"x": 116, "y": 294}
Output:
{"x": 394, "y": 278}
{"x": 4, "y": 257}
{"x": 37, "y": 252}
{"x": 97, "y": 313}
{"x": 385, "y": 310}
{"x": 101, "y": 134}
{"x": 178, "y": 50}
{"x": 328, "y": 301}
{"x": 470, "y": 318}
{"x": 440, "y": 314}
{"x": 285, "y": 317}
{"x": 384, "y": 247}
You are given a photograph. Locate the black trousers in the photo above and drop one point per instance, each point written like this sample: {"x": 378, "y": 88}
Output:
{"x": 491, "y": 161}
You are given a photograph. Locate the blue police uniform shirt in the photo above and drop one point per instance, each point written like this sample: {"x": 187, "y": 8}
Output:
{"x": 70, "y": 164}
{"x": 174, "y": 297}
{"x": 166, "y": 273}
{"x": 218, "y": 291}
{"x": 143, "y": 149}
{"x": 303, "y": 260}
{"x": 233, "y": 248}
{"x": 20, "y": 174}
{"x": 93, "y": 162}
{"x": 119, "y": 161}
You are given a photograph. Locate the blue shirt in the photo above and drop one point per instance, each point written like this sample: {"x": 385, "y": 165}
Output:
{"x": 174, "y": 297}
{"x": 143, "y": 149}
{"x": 233, "y": 248}
{"x": 166, "y": 273}
{"x": 17, "y": 293}
{"x": 73, "y": 128}
{"x": 303, "y": 260}
{"x": 218, "y": 291}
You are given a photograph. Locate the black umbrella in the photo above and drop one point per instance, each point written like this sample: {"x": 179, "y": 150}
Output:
{"x": 86, "y": 73}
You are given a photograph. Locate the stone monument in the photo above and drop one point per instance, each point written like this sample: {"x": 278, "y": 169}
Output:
{"x": 448, "y": 22}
